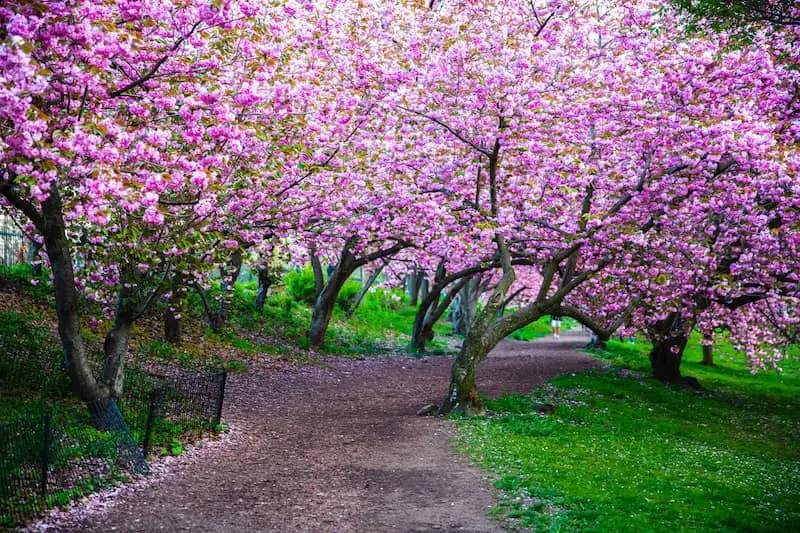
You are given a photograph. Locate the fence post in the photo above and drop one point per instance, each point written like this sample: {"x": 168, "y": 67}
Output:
{"x": 221, "y": 397}
{"x": 45, "y": 453}
{"x": 148, "y": 428}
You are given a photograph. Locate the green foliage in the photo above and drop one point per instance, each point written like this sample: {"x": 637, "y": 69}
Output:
{"x": 534, "y": 330}
{"x": 541, "y": 328}
{"x": 300, "y": 285}
{"x": 347, "y": 294}
{"x": 620, "y": 452}
{"x": 739, "y": 15}
{"x": 23, "y": 277}
{"x": 30, "y": 360}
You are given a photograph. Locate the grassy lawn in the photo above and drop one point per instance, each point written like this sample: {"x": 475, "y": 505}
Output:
{"x": 623, "y": 453}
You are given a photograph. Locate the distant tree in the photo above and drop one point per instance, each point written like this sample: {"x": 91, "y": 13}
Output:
{"x": 727, "y": 14}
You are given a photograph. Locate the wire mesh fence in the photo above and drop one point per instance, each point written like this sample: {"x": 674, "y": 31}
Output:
{"x": 55, "y": 448}
{"x": 163, "y": 403}
{"x": 51, "y": 454}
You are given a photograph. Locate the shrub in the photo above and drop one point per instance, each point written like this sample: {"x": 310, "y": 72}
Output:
{"x": 300, "y": 285}
{"x": 347, "y": 294}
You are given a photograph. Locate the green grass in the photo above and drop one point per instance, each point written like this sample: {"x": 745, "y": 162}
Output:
{"x": 383, "y": 321}
{"x": 621, "y": 452}
{"x": 24, "y": 278}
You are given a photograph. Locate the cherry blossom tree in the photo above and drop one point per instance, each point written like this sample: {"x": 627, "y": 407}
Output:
{"x": 125, "y": 128}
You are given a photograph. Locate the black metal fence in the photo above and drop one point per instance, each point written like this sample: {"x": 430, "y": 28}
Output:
{"x": 11, "y": 242}
{"x": 51, "y": 454}
{"x": 163, "y": 403}
{"x": 55, "y": 449}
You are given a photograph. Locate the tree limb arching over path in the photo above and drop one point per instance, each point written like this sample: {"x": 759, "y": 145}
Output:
{"x": 336, "y": 449}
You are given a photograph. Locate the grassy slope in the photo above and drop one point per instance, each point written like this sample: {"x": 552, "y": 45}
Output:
{"x": 623, "y": 453}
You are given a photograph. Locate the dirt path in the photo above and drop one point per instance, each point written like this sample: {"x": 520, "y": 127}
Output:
{"x": 336, "y": 449}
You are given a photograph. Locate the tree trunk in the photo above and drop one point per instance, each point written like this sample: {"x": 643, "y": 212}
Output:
{"x": 484, "y": 333}
{"x": 419, "y": 335}
{"x": 424, "y": 288}
{"x": 708, "y": 355}
{"x": 462, "y": 394}
{"x": 325, "y": 302}
{"x": 429, "y": 313}
{"x": 414, "y": 283}
{"x": 220, "y": 314}
{"x": 115, "y": 349}
{"x": 316, "y": 268}
{"x": 172, "y": 326}
{"x": 669, "y": 341}
{"x": 665, "y": 358}
{"x": 364, "y": 288}
{"x": 69, "y": 329}
{"x": 466, "y": 306}
{"x": 264, "y": 282}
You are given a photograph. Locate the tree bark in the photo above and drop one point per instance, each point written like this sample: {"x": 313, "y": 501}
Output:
{"x": 482, "y": 336}
{"x": 708, "y": 354}
{"x": 430, "y": 311}
{"x": 53, "y": 230}
{"x": 364, "y": 288}
{"x": 316, "y": 268}
{"x": 466, "y": 306}
{"x": 347, "y": 264}
{"x": 115, "y": 349}
{"x": 325, "y": 302}
{"x": 172, "y": 326}
{"x": 669, "y": 342}
{"x": 424, "y": 287}
{"x": 264, "y": 282}
{"x": 220, "y": 314}
{"x": 462, "y": 395}
{"x": 414, "y": 283}
{"x": 665, "y": 358}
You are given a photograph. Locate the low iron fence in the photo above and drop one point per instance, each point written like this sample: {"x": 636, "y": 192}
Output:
{"x": 52, "y": 452}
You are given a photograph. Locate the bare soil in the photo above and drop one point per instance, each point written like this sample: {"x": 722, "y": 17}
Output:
{"x": 333, "y": 449}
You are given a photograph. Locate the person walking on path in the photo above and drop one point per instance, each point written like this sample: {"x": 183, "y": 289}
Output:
{"x": 555, "y": 323}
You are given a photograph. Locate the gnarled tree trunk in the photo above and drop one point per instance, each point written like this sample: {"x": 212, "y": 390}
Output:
{"x": 264, "y": 282}
{"x": 483, "y": 334}
{"x": 430, "y": 311}
{"x": 669, "y": 342}
{"x": 665, "y": 358}
{"x": 325, "y": 302}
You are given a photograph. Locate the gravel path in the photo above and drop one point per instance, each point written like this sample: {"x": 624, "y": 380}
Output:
{"x": 335, "y": 449}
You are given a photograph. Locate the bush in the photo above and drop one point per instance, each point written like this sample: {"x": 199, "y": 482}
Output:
{"x": 347, "y": 294}
{"x": 300, "y": 285}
